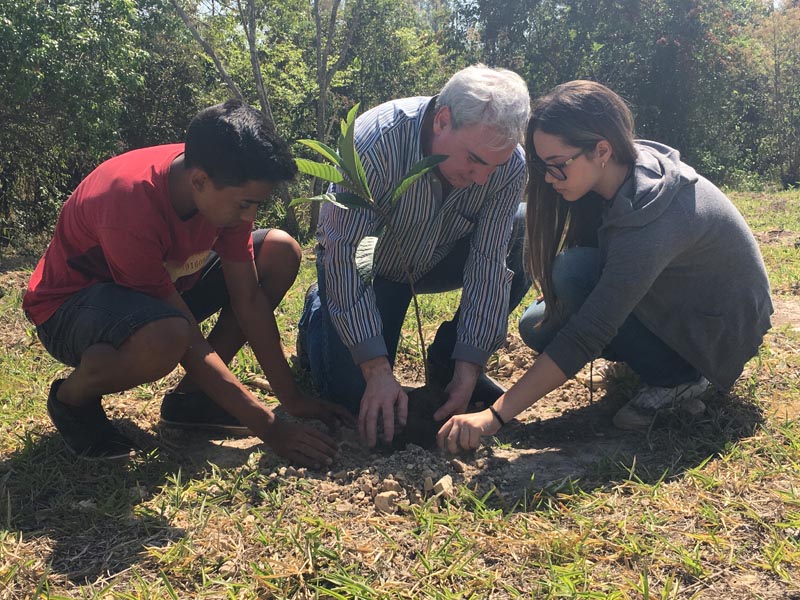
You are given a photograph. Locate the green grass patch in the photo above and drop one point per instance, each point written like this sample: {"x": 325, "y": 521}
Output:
{"x": 700, "y": 510}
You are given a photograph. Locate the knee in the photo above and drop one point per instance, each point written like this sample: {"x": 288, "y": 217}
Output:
{"x": 530, "y": 327}
{"x": 575, "y": 273}
{"x": 280, "y": 254}
{"x": 162, "y": 343}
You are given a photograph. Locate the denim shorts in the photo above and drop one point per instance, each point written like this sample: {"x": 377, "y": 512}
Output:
{"x": 107, "y": 313}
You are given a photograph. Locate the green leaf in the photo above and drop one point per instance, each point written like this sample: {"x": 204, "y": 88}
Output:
{"x": 321, "y": 170}
{"x": 347, "y": 179}
{"x": 350, "y": 159}
{"x": 365, "y": 258}
{"x": 343, "y": 200}
{"x": 321, "y": 198}
{"x": 350, "y": 200}
{"x": 325, "y": 150}
{"x": 417, "y": 171}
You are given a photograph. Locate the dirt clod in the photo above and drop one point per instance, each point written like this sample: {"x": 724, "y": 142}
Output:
{"x": 386, "y": 502}
{"x": 444, "y": 487}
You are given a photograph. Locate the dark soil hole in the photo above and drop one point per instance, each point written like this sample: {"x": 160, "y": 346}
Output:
{"x": 420, "y": 427}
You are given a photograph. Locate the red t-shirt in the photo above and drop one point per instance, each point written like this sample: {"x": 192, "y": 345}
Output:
{"x": 119, "y": 225}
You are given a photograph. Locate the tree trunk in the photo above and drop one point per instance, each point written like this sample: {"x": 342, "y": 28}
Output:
{"x": 248, "y": 22}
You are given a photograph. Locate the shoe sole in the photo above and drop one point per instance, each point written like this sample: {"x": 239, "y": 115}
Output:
{"x": 106, "y": 457}
{"x": 233, "y": 430}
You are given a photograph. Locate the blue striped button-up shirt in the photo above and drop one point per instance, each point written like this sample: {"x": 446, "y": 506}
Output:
{"x": 389, "y": 142}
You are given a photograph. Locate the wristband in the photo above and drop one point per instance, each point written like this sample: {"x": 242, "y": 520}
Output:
{"x": 497, "y": 416}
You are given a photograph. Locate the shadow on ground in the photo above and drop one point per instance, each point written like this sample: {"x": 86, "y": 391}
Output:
{"x": 91, "y": 519}
{"x": 581, "y": 447}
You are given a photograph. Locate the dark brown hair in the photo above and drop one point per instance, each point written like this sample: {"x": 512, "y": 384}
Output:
{"x": 580, "y": 113}
{"x": 234, "y": 143}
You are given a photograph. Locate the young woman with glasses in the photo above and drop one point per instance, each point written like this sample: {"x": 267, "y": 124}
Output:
{"x": 638, "y": 259}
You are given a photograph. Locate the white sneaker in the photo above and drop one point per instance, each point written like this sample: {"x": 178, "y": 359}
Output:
{"x": 639, "y": 412}
{"x": 601, "y": 373}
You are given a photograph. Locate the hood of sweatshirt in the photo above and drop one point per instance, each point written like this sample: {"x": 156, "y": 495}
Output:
{"x": 658, "y": 177}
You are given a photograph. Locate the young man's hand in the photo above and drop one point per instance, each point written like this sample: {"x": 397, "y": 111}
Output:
{"x": 301, "y": 444}
{"x": 382, "y": 395}
{"x": 306, "y": 406}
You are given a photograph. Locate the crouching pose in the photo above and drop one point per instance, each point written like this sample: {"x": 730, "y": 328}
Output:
{"x": 638, "y": 258}
{"x": 150, "y": 243}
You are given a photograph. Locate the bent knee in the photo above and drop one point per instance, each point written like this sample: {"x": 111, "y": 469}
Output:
{"x": 530, "y": 330}
{"x": 279, "y": 251}
{"x": 163, "y": 340}
{"x": 280, "y": 244}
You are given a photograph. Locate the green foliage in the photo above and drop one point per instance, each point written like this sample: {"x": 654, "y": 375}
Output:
{"x": 174, "y": 81}
{"x": 394, "y": 54}
{"x": 64, "y": 71}
{"x": 84, "y": 79}
{"x": 774, "y": 59}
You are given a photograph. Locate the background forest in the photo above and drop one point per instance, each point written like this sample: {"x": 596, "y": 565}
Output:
{"x": 81, "y": 80}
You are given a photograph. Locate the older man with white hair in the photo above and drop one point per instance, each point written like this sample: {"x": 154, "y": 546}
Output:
{"x": 462, "y": 226}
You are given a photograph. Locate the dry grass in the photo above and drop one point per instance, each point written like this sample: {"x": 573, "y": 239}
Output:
{"x": 560, "y": 506}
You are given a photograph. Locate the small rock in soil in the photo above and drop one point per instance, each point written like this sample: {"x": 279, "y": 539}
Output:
{"x": 390, "y": 485}
{"x": 386, "y": 502}
{"x": 444, "y": 486}
{"x": 457, "y": 465}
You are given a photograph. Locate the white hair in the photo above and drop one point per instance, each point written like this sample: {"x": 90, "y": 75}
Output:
{"x": 496, "y": 98}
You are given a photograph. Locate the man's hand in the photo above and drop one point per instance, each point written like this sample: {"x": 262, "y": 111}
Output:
{"x": 383, "y": 392}
{"x": 301, "y": 444}
{"x": 464, "y": 432}
{"x": 306, "y": 406}
{"x": 459, "y": 390}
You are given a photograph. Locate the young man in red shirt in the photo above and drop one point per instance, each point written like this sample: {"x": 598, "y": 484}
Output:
{"x": 149, "y": 244}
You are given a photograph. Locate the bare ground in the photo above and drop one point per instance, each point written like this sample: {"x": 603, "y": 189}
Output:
{"x": 567, "y": 436}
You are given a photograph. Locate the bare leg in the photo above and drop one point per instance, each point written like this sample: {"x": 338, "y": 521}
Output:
{"x": 149, "y": 354}
{"x": 277, "y": 264}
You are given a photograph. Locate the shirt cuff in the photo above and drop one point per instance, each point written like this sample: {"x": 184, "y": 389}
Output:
{"x": 368, "y": 349}
{"x": 470, "y": 354}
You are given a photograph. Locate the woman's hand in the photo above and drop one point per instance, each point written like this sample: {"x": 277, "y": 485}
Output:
{"x": 464, "y": 432}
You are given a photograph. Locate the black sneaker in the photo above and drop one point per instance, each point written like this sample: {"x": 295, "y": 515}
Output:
{"x": 195, "y": 410}
{"x": 86, "y": 430}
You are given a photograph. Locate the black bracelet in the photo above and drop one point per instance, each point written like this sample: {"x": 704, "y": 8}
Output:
{"x": 497, "y": 416}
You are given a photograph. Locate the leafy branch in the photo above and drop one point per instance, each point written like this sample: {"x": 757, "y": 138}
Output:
{"x": 348, "y": 173}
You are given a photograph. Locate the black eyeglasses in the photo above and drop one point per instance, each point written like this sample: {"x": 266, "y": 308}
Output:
{"x": 555, "y": 170}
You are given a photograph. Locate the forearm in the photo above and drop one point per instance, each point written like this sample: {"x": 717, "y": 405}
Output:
{"x": 208, "y": 370}
{"x": 375, "y": 368}
{"x": 257, "y": 321}
{"x": 543, "y": 377}
{"x": 465, "y": 374}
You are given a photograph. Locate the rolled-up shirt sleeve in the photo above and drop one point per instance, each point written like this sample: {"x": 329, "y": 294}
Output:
{"x": 483, "y": 322}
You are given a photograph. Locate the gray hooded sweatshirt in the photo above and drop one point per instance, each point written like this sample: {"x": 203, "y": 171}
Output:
{"x": 677, "y": 254}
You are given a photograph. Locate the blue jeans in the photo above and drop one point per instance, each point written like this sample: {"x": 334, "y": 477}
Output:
{"x": 335, "y": 374}
{"x": 575, "y": 273}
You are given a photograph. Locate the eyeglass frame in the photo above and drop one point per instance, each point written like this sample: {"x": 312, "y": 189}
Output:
{"x": 556, "y": 170}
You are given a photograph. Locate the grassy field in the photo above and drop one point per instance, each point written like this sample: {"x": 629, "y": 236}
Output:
{"x": 706, "y": 509}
